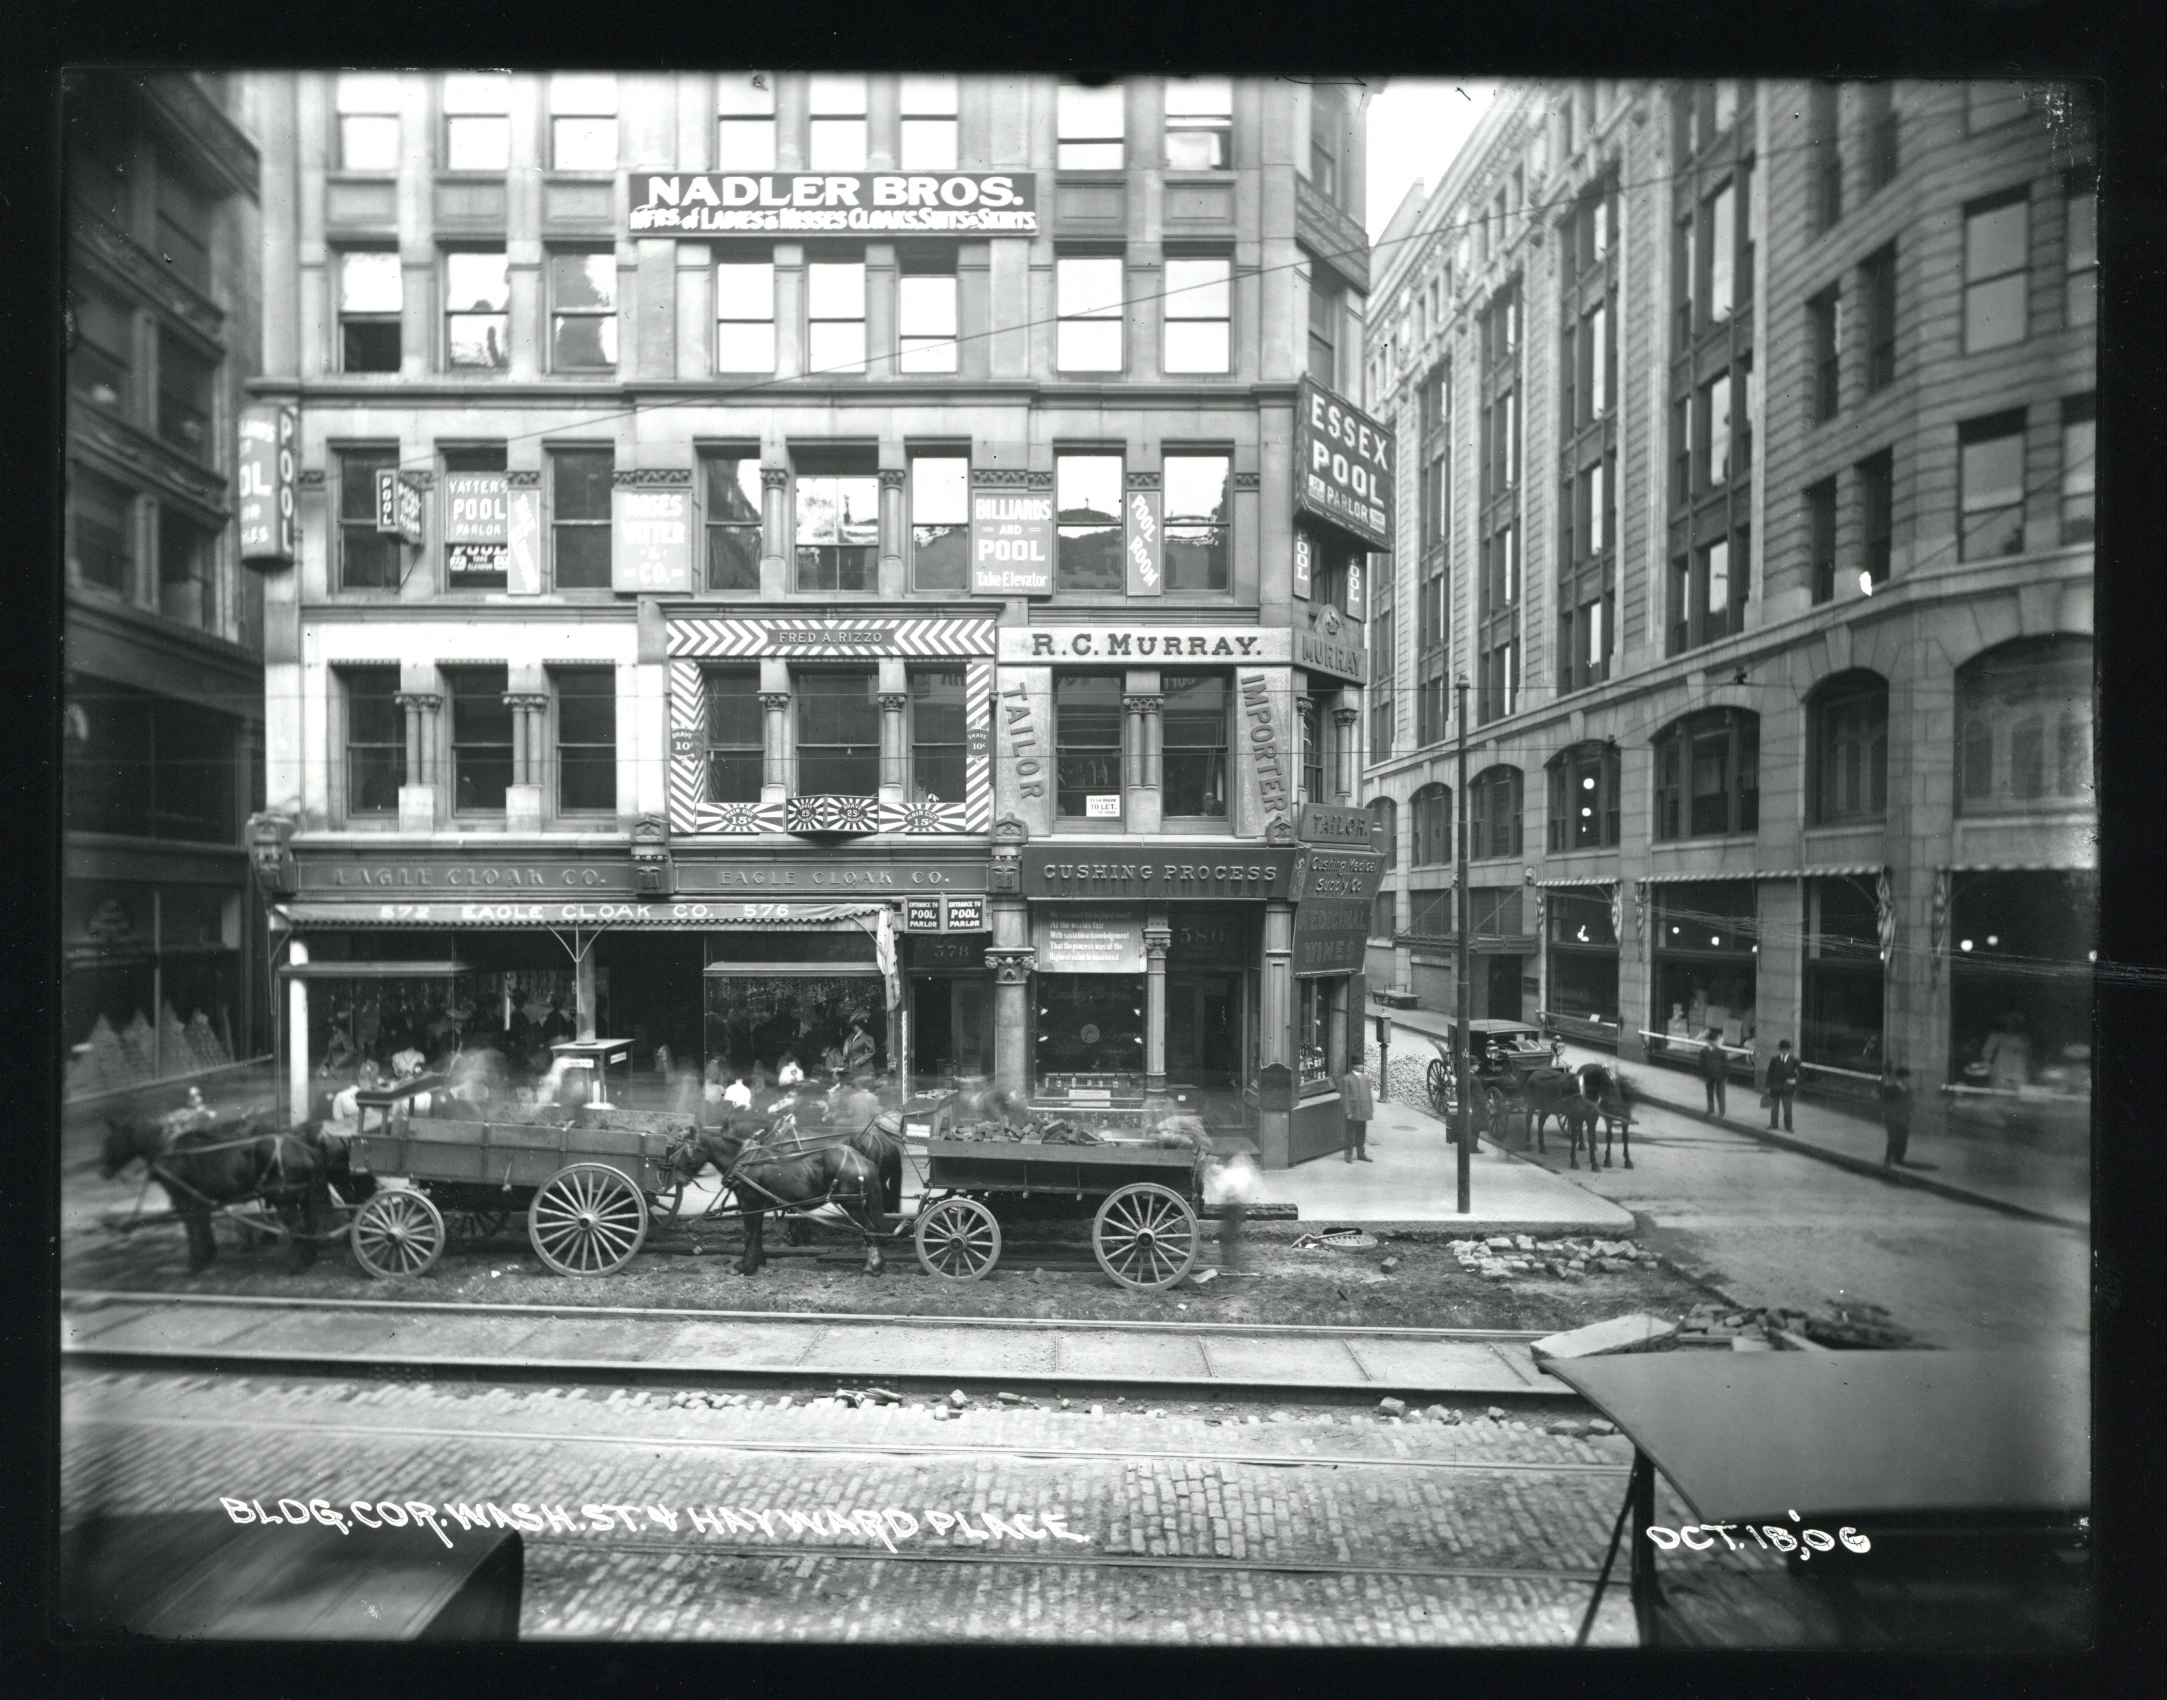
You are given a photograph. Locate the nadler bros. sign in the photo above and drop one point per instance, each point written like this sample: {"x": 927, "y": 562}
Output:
{"x": 715, "y": 203}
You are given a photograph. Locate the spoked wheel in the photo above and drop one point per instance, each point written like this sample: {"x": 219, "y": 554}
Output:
{"x": 666, "y": 1205}
{"x": 1145, "y": 1236}
{"x": 587, "y": 1219}
{"x": 1495, "y": 1107}
{"x": 398, "y": 1232}
{"x": 1443, "y": 1100}
{"x": 959, "y": 1239}
{"x": 471, "y": 1227}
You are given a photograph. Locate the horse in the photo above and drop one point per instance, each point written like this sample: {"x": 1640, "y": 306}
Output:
{"x": 212, "y": 1164}
{"x": 761, "y": 1177}
{"x": 1604, "y": 1095}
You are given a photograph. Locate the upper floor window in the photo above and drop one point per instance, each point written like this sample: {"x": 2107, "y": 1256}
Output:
{"x": 1824, "y": 127}
{"x": 1707, "y": 775}
{"x": 185, "y": 220}
{"x": 580, "y": 482}
{"x": 1199, "y": 309}
{"x": 1493, "y": 813}
{"x": 1432, "y": 805}
{"x": 745, "y": 315}
{"x": 372, "y": 296}
{"x": 375, "y": 740}
{"x": 1385, "y": 835}
{"x": 368, "y": 106}
{"x": 1708, "y": 592}
{"x": 583, "y": 312}
{"x": 1722, "y": 253}
{"x": 736, "y": 745}
{"x": 836, "y": 138}
{"x": 582, "y": 123}
{"x": 733, "y": 520}
{"x": 1088, "y": 307}
{"x": 1990, "y": 487}
{"x": 1087, "y": 741}
{"x": 1848, "y": 748}
{"x": 1093, "y": 127}
{"x": 929, "y": 124}
{"x": 1822, "y": 352}
{"x": 1087, "y": 505}
{"x": 1880, "y": 123}
{"x": 1584, "y": 798}
{"x": 1877, "y": 288}
{"x": 2080, "y": 246}
{"x": 471, "y": 566}
{"x": 1987, "y": 105}
{"x": 1194, "y": 724}
{"x": 367, "y": 561}
{"x": 2080, "y": 472}
{"x": 187, "y": 571}
{"x": 586, "y": 708}
{"x": 1877, "y": 513}
{"x": 938, "y": 736}
{"x": 187, "y": 397}
{"x": 481, "y": 739}
{"x": 745, "y": 122}
{"x": 926, "y": 312}
{"x": 1820, "y": 500}
{"x": 940, "y": 521}
{"x": 1383, "y": 709}
{"x": 838, "y": 531}
{"x": 1197, "y": 528}
{"x": 477, "y": 122}
{"x": 1997, "y": 248}
{"x": 1325, "y": 297}
{"x": 1199, "y": 124}
{"x": 1327, "y": 142}
{"x": 101, "y": 360}
{"x": 102, "y": 528}
{"x": 835, "y": 316}
{"x": 838, "y": 732}
{"x": 2024, "y": 724}
{"x": 477, "y": 308}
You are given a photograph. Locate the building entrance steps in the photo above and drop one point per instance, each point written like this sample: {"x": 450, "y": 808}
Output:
{"x": 1962, "y": 1160}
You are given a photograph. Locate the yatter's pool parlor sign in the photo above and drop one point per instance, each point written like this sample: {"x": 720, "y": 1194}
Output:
{"x": 705, "y": 203}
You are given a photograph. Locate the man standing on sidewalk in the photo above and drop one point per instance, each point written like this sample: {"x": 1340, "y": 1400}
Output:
{"x": 1895, "y": 1097}
{"x": 1783, "y": 1073}
{"x": 1714, "y": 1072}
{"x": 1360, "y": 1104}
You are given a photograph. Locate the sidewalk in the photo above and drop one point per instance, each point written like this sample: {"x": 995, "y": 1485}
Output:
{"x": 2005, "y": 1174}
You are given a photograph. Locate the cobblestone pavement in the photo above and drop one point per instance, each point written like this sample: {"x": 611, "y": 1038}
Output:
{"x": 1151, "y": 1525}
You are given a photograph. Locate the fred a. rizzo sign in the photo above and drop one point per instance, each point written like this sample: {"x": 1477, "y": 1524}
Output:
{"x": 266, "y": 476}
{"x": 1343, "y": 465}
{"x": 950, "y": 203}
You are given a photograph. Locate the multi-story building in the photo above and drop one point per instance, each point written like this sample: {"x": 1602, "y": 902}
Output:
{"x": 783, "y": 556}
{"x": 1751, "y": 434}
{"x": 163, "y": 689}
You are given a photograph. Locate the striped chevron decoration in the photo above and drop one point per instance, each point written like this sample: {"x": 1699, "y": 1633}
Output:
{"x": 829, "y": 638}
{"x": 978, "y": 747}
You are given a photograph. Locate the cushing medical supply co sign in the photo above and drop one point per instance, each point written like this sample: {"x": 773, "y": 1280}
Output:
{"x": 718, "y": 203}
{"x": 1343, "y": 463}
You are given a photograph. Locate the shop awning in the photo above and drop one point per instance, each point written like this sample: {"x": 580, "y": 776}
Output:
{"x": 1577, "y": 882}
{"x": 2064, "y": 866}
{"x": 437, "y": 970}
{"x": 1850, "y": 870}
{"x": 1730, "y": 878}
{"x": 646, "y": 917}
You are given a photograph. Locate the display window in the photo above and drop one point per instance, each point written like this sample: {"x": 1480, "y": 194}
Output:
{"x": 1091, "y": 1024}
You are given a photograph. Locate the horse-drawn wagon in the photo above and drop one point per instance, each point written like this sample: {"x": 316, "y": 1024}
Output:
{"x": 1501, "y": 1055}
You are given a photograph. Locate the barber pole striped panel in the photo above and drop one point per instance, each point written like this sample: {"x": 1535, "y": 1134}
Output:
{"x": 816, "y": 635}
{"x": 978, "y": 747}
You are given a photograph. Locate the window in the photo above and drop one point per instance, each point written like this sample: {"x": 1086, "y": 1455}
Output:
{"x": 838, "y": 733}
{"x": 1324, "y": 302}
{"x": 583, "y": 123}
{"x": 1327, "y": 119}
{"x": 102, "y": 531}
{"x": 1997, "y": 239}
{"x": 1493, "y": 814}
{"x": 735, "y": 745}
{"x": 187, "y": 589}
{"x": 1584, "y": 798}
{"x": 580, "y": 483}
{"x": 2080, "y": 246}
{"x": 1821, "y": 537}
{"x": 1199, "y": 308}
{"x": 1093, "y": 125}
{"x": 1849, "y": 749}
{"x": 1194, "y": 724}
{"x": 1087, "y": 740}
{"x": 368, "y": 107}
{"x": 2024, "y": 724}
{"x": 1307, "y": 712}
{"x": 1430, "y": 915}
{"x": 1877, "y": 512}
{"x": 1381, "y": 703}
{"x": 1087, "y": 503}
{"x": 153, "y": 767}
{"x": 2080, "y": 442}
{"x": 187, "y": 397}
{"x": 1682, "y": 255}
{"x": 366, "y": 560}
{"x": 583, "y": 312}
{"x": 1722, "y": 253}
{"x": 1494, "y": 912}
{"x": 1430, "y": 715}
{"x": 1990, "y": 486}
{"x": 1385, "y": 835}
{"x": 586, "y": 739}
{"x": 477, "y": 122}
{"x": 1827, "y": 155}
{"x": 1197, "y": 528}
{"x": 1987, "y": 105}
{"x": 375, "y": 741}
{"x": 835, "y": 314}
{"x": 1384, "y": 915}
{"x": 1726, "y": 107}
{"x": 836, "y": 129}
{"x": 1199, "y": 124}
{"x": 1877, "y": 289}
{"x": 1877, "y": 118}
{"x": 1432, "y": 805}
{"x": 1707, "y": 775}
{"x": 185, "y": 219}
{"x": 102, "y": 359}
{"x": 745, "y": 123}
{"x": 481, "y": 739}
{"x": 838, "y": 532}
{"x": 929, "y": 124}
{"x": 940, "y": 522}
{"x": 937, "y": 736}
{"x": 1497, "y": 691}
{"x": 734, "y": 536}
{"x": 371, "y": 297}
{"x": 927, "y": 313}
{"x": 1716, "y": 409}
{"x": 477, "y": 301}
{"x": 1088, "y": 305}
{"x": 745, "y": 316}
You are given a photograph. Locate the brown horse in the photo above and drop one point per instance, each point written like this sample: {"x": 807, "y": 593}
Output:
{"x": 206, "y": 1167}
{"x": 764, "y": 1174}
{"x": 1579, "y": 1098}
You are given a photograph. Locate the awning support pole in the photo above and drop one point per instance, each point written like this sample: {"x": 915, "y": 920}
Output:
{"x": 1610, "y": 1557}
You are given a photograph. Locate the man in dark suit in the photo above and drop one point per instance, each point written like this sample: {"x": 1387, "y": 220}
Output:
{"x": 1783, "y": 1073}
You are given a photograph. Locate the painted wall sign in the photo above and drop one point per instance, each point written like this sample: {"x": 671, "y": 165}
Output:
{"x": 650, "y": 539}
{"x": 1326, "y": 823}
{"x": 965, "y": 914}
{"x": 921, "y": 914}
{"x": 265, "y": 477}
{"x": 707, "y": 203}
{"x": 1011, "y": 543}
{"x": 1262, "y": 713}
{"x": 523, "y": 542}
{"x": 474, "y": 507}
{"x": 473, "y": 560}
{"x": 1139, "y": 641}
{"x": 1107, "y": 942}
{"x": 458, "y": 874}
{"x": 1228, "y": 870}
{"x": 825, "y": 876}
{"x": 1028, "y": 753}
{"x": 1343, "y": 465}
{"x": 1333, "y": 645}
{"x": 1144, "y": 544}
{"x": 814, "y": 634}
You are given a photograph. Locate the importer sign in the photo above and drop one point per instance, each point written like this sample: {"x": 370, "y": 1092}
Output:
{"x": 1342, "y": 465}
{"x": 713, "y": 203}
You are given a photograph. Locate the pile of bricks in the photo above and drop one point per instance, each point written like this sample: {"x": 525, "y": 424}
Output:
{"x": 1569, "y": 1258}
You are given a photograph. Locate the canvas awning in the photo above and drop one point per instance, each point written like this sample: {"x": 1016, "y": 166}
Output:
{"x": 1576, "y": 882}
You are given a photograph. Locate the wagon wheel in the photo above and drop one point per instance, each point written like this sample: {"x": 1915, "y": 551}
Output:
{"x": 1494, "y": 1107}
{"x": 1144, "y": 1236}
{"x": 471, "y": 1227}
{"x": 587, "y": 1219}
{"x": 959, "y": 1239}
{"x": 1443, "y": 1100}
{"x": 398, "y": 1232}
{"x": 666, "y": 1205}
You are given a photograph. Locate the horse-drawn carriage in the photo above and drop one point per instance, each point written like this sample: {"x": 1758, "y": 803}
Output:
{"x": 1501, "y": 1055}
{"x": 1520, "y": 1078}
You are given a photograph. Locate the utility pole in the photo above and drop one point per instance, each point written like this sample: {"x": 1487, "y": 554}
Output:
{"x": 1465, "y": 1144}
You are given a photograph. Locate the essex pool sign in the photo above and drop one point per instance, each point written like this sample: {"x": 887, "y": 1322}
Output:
{"x": 709, "y": 203}
{"x": 1343, "y": 462}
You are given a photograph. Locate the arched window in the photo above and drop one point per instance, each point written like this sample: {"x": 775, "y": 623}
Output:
{"x": 1584, "y": 798}
{"x": 1847, "y": 748}
{"x": 2024, "y": 725}
{"x": 1493, "y": 813}
{"x": 1386, "y": 813}
{"x": 1707, "y": 775}
{"x": 1433, "y": 825}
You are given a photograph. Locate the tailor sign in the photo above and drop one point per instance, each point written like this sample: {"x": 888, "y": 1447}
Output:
{"x": 1342, "y": 465}
{"x": 947, "y": 203}
{"x": 264, "y": 484}
{"x": 1325, "y": 823}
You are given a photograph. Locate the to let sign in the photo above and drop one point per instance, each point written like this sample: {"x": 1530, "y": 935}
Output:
{"x": 1011, "y": 543}
{"x": 270, "y": 447}
{"x": 651, "y": 532}
{"x": 1343, "y": 465}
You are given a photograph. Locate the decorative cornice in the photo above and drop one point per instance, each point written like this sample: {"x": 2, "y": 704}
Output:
{"x": 1142, "y": 481}
{"x": 1034, "y": 479}
{"x": 523, "y": 478}
{"x": 1143, "y": 702}
{"x": 652, "y": 478}
{"x": 1248, "y": 481}
{"x": 538, "y": 701}
{"x": 998, "y": 477}
{"x": 425, "y": 702}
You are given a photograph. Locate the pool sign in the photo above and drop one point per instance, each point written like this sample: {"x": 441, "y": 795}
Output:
{"x": 1343, "y": 465}
{"x": 1011, "y": 542}
{"x": 270, "y": 450}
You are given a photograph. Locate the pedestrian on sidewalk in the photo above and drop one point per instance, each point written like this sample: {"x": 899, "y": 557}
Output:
{"x": 1895, "y": 1094}
{"x": 1783, "y": 1073}
{"x": 1714, "y": 1072}
{"x": 1359, "y": 1104}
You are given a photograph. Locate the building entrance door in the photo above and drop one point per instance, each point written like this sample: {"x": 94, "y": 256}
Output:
{"x": 1202, "y": 1029}
{"x": 1502, "y": 985}
{"x": 948, "y": 1038}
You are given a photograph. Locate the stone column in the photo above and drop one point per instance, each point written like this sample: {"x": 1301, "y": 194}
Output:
{"x": 1306, "y": 734}
{"x": 523, "y": 797}
{"x": 1011, "y": 962}
{"x": 774, "y": 531}
{"x": 775, "y": 761}
{"x": 1343, "y": 724}
{"x": 1275, "y": 1032}
{"x": 892, "y": 553}
{"x": 1158, "y": 937}
{"x": 894, "y": 772}
{"x": 583, "y": 991}
{"x": 297, "y": 1062}
{"x": 1140, "y": 743}
{"x": 417, "y": 797}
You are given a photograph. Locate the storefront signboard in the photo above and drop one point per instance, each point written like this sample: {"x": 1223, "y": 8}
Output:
{"x": 1011, "y": 543}
{"x": 824, "y": 876}
{"x": 1228, "y": 870}
{"x": 474, "y": 507}
{"x": 1328, "y": 642}
{"x": 264, "y": 484}
{"x": 944, "y": 950}
{"x": 523, "y": 542}
{"x": 965, "y": 914}
{"x": 1145, "y": 642}
{"x": 1095, "y": 942}
{"x": 1343, "y": 465}
{"x": 1335, "y": 891}
{"x": 650, "y": 539}
{"x": 454, "y": 875}
{"x": 1326, "y": 823}
{"x": 949, "y": 203}
{"x": 1145, "y": 551}
{"x": 692, "y": 635}
{"x": 921, "y": 914}
{"x": 507, "y": 910}
{"x": 1304, "y": 562}
{"x": 1261, "y": 713}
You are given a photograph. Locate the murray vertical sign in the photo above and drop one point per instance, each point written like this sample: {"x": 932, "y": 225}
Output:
{"x": 270, "y": 451}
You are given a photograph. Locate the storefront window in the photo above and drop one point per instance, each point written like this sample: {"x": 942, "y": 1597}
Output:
{"x": 152, "y": 983}
{"x": 832, "y": 1027}
{"x": 2024, "y": 723}
{"x": 1706, "y": 944}
{"x": 2020, "y": 980}
{"x": 1090, "y": 1024}
{"x": 1313, "y": 1032}
{"x": 1842, "y": 1021}
{"x": 1583, "y": 956}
